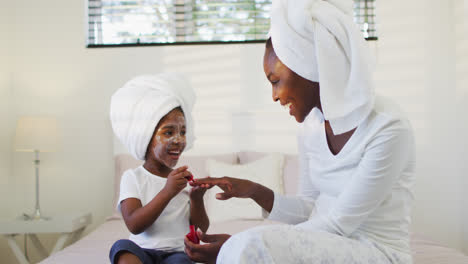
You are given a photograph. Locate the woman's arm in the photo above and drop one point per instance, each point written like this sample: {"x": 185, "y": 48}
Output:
{"x": 292, "y": 210}
{"x": 198, "y": 215}
{"x": 263, "y": 196}
{"x": 138, "y": 218}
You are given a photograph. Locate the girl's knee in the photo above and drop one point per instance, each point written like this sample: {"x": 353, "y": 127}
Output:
{"x": 125, "y": 257}
{"x": 125, "y": 251}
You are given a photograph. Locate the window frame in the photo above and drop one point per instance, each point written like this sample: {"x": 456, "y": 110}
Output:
{"x": 178, "y": 43}
{"x": 173, "y": 43}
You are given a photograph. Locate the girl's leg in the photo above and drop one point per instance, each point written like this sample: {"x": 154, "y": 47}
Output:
{"x": 177, "y": 257}
{"x": 125, "y": 251}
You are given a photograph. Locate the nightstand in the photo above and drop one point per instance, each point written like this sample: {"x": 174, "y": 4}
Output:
{"x": 68, "y": 226}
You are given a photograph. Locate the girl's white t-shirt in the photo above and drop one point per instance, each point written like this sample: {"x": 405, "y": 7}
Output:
{"x": 168, "y": 231}
{"x": 363, "y": 191}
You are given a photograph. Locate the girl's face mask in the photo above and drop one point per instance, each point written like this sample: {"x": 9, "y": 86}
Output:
{"x": 169, "y": 140}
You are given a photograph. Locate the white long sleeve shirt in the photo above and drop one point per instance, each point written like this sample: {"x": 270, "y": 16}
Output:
{"x": 363, "y": 190}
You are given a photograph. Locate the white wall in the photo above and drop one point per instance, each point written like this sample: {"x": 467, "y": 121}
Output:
{"x": 416, "y": 68}
{"x": 5, "y": 96}
{"x": 461, "y": 34}
{"x": 55, "y": 75}
{"x": 5, "y": 116}
{"x": 416, "y": 54}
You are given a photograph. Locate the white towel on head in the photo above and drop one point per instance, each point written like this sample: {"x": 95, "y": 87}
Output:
{"x": 142, "y": 102}
{"x": 319, "y": 41}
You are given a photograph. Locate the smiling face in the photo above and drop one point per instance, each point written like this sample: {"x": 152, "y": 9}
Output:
{"x": 297, "y": 94}
{"x": 168, "y": 140}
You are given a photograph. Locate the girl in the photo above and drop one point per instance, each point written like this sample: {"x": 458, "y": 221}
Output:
{"x": 154, "y": 201}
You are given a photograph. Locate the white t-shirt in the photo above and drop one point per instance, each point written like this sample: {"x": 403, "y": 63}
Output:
{"x": 364, "y": 190}
{"x": 168, "y": 231}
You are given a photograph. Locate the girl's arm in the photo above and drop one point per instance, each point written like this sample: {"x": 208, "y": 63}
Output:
{"x": 138, "y": 218}
{"x": 198, "y": 216}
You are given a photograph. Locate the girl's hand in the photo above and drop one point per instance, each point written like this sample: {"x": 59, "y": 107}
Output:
{"x": 176, "y": 181}
{"x": 232, "y": 187}
{"x": 205, "y": 253}
{"x": 197, "y": 192}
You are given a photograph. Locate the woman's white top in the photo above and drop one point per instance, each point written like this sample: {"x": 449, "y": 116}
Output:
{"x": 168, "y": 231}
{"x": 364, "y": 190}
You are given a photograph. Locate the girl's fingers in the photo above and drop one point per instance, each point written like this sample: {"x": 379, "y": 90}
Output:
{"x": 180, "y": 169}
{"x": 182, "y": 175}
{"x": 206, "y": 186}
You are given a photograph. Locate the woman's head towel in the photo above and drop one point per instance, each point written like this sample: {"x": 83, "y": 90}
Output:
{"x": 137, "y": 107}
{"x": 319, "y": 40}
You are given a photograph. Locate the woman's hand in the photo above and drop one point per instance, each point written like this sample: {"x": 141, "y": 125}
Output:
{"x": 208, "y": 252}
{"x": 232, "y": 187}
{"x": 239, "y": 188}
{"x": 176, "y": 181}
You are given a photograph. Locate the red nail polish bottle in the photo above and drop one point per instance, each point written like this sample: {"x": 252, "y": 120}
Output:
{"x": 192, "y": 235}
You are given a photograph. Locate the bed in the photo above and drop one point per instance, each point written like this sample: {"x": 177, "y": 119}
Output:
{"x": 94, "y": 248}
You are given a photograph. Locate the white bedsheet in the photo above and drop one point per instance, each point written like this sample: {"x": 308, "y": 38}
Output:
{"x": 94, "y": 248}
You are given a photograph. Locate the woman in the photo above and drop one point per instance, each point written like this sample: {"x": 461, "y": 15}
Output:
{"x": 356, "y": 152}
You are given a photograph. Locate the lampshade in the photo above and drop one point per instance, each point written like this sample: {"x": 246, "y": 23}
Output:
{"x": 36, "y": 134}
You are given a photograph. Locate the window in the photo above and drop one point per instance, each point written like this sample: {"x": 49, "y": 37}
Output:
{"x": 364, "y": 16}
{"x": 117, "y": 22}
{"x": 149, "y": 22}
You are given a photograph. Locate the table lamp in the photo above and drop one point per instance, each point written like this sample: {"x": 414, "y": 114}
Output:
{"x": 36, "y": 134}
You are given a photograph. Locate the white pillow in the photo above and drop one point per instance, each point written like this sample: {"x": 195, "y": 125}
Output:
{"x": 267, "y": 171}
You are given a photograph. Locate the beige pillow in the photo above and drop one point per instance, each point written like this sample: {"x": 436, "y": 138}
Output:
{"x": 267, "y": 171}
{"x": 290, "y": 171}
